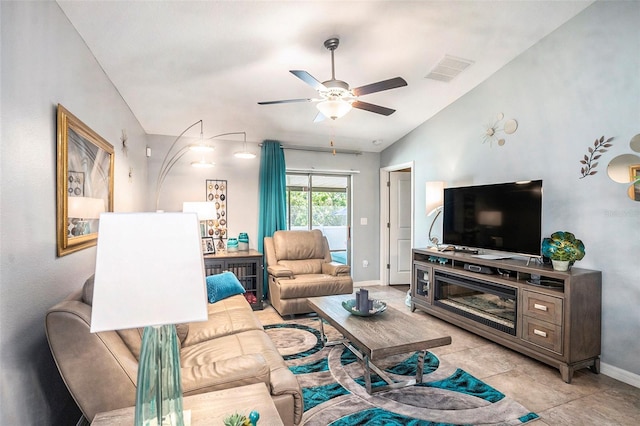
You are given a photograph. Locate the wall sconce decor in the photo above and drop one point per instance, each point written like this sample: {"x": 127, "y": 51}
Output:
{"x": 491, "y": 130}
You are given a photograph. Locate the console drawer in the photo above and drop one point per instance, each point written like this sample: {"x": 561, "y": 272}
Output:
{"x": 542, "y": 334}
{"x": 542, "y": 306}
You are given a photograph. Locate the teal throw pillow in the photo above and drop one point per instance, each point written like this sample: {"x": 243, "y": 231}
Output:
{"x": 223, "y": 285}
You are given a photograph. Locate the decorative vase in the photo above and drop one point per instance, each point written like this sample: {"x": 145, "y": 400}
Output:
{"x": 243, "y": 241}
{"x": 560, "y": 265}
{"x": 232, "y": 244}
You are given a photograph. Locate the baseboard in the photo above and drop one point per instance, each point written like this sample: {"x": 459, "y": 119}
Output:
{"x": 620, "y": 374}
{"x": 366, "y": 283}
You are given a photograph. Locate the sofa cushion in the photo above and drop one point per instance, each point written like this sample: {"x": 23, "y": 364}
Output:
{"x": 313, "y": 285}
{"x": 221, "y": 286}
{"x": 132, "y": 337}
{"x": 299, "y": 245}
{"x": 232, "y": 346}
{"x": 229, "y": 316}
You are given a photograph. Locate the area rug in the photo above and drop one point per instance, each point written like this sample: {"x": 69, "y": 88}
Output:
{"x": 333, "y": 386}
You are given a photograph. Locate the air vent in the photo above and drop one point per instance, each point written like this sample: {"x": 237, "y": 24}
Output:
{"x": 448, "y": 68}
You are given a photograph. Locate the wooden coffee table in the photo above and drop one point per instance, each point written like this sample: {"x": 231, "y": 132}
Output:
{"x": 380, "y": 336}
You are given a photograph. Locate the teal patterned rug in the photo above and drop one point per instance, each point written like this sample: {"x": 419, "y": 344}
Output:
{"x": 334, "y": 394}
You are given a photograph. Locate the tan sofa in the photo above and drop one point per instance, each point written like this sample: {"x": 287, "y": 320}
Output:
{"x": 230, "y": 349}
{"x": 299, "y": 266}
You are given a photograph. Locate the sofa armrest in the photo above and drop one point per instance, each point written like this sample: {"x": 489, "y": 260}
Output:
{"x": 279, "y": 271}
{"x": 335, "y": 268}
{"x": 230, "y": 373}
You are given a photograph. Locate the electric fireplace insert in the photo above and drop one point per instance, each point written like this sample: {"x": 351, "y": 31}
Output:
{"x": 488, "y": 303}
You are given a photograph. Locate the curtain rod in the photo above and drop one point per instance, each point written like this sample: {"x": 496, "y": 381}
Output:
{"x": 324, "y": 172}
{"x": 318, "y": 149}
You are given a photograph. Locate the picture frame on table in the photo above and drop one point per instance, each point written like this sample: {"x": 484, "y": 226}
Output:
{"x": 208, "y": 247}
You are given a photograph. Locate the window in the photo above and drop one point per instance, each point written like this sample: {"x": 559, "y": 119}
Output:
{"x": 316, "y": 201}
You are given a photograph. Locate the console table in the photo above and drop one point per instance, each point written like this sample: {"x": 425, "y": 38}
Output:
{"x": 210, "y": 408}
{"x": 548, "y": 315}
{"x": 247, "y": 265}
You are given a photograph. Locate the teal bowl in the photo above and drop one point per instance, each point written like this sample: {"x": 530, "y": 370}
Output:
{"x": 378, "y": 307}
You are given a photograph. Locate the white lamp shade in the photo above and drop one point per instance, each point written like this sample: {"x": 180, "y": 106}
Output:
{"x": 149, "y": 271}
{"x": 334, "y": 109}
{"x": 434, "y": 196}
{"x": 85, "y": 207}
{"x": 206, "y": 210}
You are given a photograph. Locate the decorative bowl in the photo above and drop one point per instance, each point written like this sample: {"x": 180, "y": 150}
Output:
{"x": 378, "y": 307}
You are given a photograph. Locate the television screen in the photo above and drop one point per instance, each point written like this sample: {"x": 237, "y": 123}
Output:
{"x": 505, "y": 217}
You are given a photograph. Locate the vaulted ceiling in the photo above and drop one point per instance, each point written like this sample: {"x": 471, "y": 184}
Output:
{"x": 176, "y": 62}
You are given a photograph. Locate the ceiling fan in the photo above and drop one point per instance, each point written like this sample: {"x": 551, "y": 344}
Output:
{"x": 336, "y": 99}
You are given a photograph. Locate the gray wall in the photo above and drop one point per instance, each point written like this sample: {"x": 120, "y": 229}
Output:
{"x": 581, "y": 82}
{"x": 44, "y": 62}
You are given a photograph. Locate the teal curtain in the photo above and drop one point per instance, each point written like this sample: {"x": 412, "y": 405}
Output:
{"x": 273, "y": 187}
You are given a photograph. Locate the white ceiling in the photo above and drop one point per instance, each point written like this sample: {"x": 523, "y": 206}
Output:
{"x": 176, "y": 62}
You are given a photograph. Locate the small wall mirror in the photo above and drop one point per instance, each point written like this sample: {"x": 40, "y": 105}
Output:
{"x": 625, "y": 168}
{"x": 84, "y": 183}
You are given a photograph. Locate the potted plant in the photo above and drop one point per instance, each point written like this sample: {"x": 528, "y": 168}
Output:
{"x": 563, "y": 248}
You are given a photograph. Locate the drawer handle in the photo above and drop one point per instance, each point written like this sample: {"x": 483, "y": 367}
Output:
{"x": 540, "y": 307}
{"x": 539, "y": 332}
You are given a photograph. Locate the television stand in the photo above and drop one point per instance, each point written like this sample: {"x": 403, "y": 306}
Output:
{"x": 551, "y": 316}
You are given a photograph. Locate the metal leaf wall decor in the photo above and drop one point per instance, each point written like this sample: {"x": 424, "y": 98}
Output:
{"x": 589, "y": 161}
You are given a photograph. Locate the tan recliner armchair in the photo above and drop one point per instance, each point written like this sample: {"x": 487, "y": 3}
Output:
{"x": 299, "y": 266}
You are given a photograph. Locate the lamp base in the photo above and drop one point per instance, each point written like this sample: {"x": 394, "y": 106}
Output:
{"x": 159, "y": 390}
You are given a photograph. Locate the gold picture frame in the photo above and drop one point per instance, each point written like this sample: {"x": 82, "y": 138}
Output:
{"x": 634, "y": 175}
{"x": 85, "y": 163}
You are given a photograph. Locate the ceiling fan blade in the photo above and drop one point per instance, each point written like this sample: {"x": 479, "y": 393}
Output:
{"x": 309, "y": 79}
{"x": 319, "y": 117}
{"x": 373, "y": 108}
{"x": 286, "y": 101}
{"x": 392, "y": 83}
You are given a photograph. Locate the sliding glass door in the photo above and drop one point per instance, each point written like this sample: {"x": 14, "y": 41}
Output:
{"x": 317, "y": 201}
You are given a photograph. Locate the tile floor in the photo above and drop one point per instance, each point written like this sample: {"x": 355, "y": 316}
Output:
{"x": 590, "y": 399}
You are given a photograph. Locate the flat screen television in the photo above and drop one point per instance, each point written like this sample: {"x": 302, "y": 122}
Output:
{"x": 505, "y": 217}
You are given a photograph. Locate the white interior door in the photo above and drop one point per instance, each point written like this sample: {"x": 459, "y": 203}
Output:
{"x": 399, "y": 228}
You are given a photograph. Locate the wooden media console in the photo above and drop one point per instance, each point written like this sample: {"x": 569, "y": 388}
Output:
{"x": 548, "y": 315}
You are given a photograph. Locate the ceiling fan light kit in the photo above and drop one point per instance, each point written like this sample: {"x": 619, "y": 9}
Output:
{"x": 334, "y": 108}
{"x": 336, "y": 99}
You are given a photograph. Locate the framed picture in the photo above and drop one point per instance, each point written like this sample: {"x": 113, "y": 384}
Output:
{"x": 208, "y": 247}
{"x": 634, "y": 175}
{"x": 84, "y": 183}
